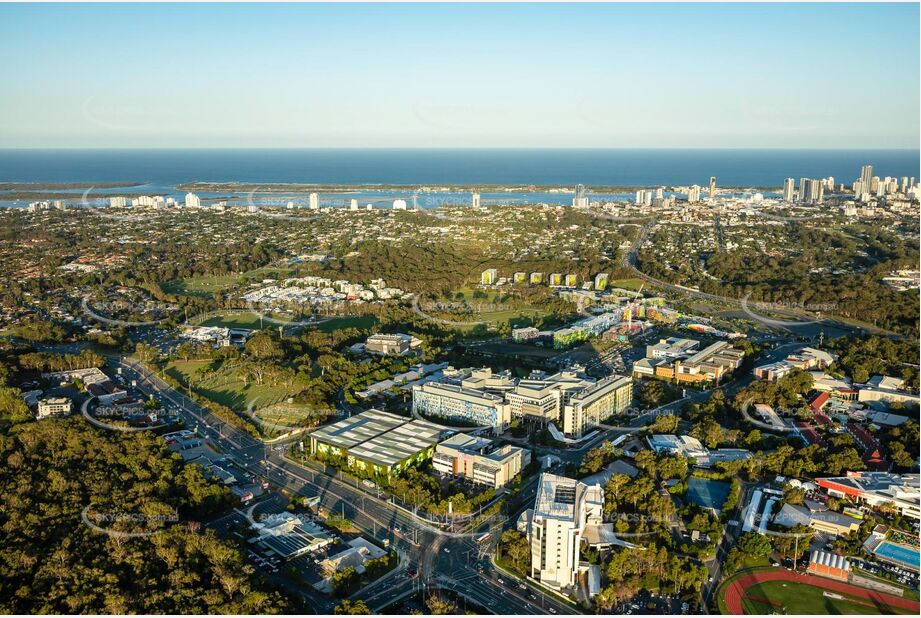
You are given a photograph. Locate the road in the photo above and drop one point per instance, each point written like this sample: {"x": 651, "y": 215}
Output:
{"x": 629, "y": 262}
{"x": 441, "y": 558}
{"x": 731, "y": 534}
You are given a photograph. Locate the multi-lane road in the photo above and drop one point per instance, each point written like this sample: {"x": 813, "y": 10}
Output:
{"x": 439, "y": 558}
{"x": 436, "y": 557}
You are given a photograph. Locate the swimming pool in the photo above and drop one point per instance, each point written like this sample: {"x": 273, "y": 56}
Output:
{"x": 899, "y": 554}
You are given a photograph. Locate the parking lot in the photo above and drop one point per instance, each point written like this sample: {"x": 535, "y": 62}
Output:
{"x": 890, "y": 572}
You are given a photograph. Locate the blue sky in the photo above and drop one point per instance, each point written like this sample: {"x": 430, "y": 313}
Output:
{"x": 409, "y": 75}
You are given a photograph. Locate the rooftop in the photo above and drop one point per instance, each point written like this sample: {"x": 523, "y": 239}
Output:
{"x": 556, "y": 497}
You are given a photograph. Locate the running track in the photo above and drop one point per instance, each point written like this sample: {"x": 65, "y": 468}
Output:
{"x": 736, "y": 590}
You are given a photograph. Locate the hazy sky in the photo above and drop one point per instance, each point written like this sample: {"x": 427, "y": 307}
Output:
{"x": 654, "y": 75}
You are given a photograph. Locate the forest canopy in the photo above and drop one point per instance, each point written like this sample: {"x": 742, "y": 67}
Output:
{"x": 58, "y": 473}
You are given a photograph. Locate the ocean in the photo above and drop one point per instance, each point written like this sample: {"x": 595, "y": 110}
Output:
{"x": 160, "y": 171}
{"x": 428, "y": 166}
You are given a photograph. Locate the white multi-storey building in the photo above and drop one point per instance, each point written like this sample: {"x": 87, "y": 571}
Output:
{"x": 192, "y": 201}
{"x": 789, "y": 190}
{"x": 563, "y": 509}
{"x": 314, "y": 201}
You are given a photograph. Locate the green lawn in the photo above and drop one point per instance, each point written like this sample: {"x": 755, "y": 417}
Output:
{"x": 793, "y": 598}
{"x": 626, "y": 284}
{"x": 199, "y": 286}
{"x": 224, "y": 388}
{"x": 249, "y": 321}
{"x": 287, "y": 414}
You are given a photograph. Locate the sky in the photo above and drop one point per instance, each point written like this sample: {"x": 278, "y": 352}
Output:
{"x": 452, "y": 75}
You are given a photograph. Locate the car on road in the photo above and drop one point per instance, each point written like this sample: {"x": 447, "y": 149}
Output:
{"x": 446, "y": 550}
{"x": 500, "y": 580}
{"x": 552, "y": 610}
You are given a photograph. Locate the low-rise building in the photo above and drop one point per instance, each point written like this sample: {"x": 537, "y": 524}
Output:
{"x": 389, "y": 345}
{"x": 53, "y": 406}
{"x": 817, "y": 518}
{"x": 805, "y": 358}
{"x": 528, "y": 333}
{"x": 878, "y": 488}
{"x": 886, "y": 388}
{"x": 672, "y": 348}
{"x": 692, "y": 448}
{"x": 478, "y": 460}
{"x": 288, "y": 536}
{"x": 376, "y": 443}
{"x": 829, "y": 565}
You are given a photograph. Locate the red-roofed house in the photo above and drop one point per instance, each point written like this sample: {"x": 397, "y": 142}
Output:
{"x": 873, "y": 454}
{"x": 819, "y": 401}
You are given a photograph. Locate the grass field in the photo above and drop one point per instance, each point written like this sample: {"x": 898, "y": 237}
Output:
{"x": 626, "y": 284}
{"x": 792, "y": 598}
{"x": 199, "y": 286}
{"x": 224, "y": 388}
{"x": 237, "y": 320}
{"x": 288, "y": 414}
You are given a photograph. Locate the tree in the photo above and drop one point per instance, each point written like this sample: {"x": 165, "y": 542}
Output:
{"x": 515, "y": 546}
{"x": 54, "y": 470}
{"x": 667, "y": 423}
{"x": 797, "y": 537}
{"x": 358, "y": 608}
{"x": 145, "y": 352}
{"x": 264, "y": 346}
{"x": 754, "y": 545}
{"x": 439, "y": 605}
{"x": 344, "y": 581}
{"x": 13, "y": 409}
{"x": 597, "y": 458}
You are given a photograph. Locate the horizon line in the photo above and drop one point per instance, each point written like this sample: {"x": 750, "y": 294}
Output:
{"x": 458, "y": 148}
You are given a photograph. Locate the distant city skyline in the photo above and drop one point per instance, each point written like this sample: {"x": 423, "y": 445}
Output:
{"x": 836, "y": 76}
